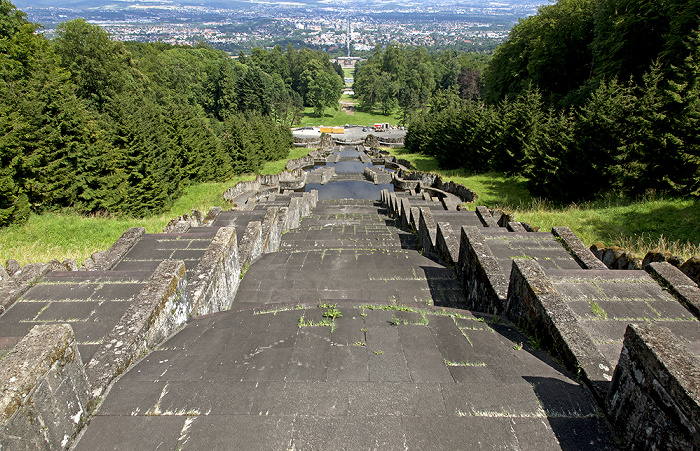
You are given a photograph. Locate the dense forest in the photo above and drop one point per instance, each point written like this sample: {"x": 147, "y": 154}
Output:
{"x": 96, "y": 125}
{"x": 585, "y": 97}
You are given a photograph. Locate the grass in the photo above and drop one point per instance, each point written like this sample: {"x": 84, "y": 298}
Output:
{"x": 652, "y": 223}
{"x": 339, "y": 118}
{"x": 62, "y": 235}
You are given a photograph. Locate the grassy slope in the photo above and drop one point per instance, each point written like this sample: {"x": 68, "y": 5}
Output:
{"x": 654, "y": 223}
{"x": 69, "y": 235}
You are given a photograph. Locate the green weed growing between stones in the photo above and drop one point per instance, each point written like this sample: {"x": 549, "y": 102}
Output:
{"x": 597, "y": 310}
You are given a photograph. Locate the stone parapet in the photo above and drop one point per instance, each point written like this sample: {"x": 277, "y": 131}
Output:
{"x": 447, "y": 243}
{"x": 217, "y": 275}
{"x": 427, "y": 231}
{"x": 19, "y": 283}
{"x": 44, "y": 391}
{"x": 483, "y": 283}
{"x": 485, "y": 216}
{"x": 583, "y": 256}
{"x": 680, "y": 285}
{"x": 654, "y": 398}
{"x": 251, "y": 245}
{"x": 271, "y": 231}
{"x": 106, "y": 260}
{"x": 159, "y": 309}
{"x": 535, "y": 305}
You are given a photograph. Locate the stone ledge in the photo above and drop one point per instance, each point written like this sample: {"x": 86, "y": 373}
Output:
{"x": 447, "y": 243}
{"x": 18, "y": 284}
{"x": 485, "y": 216}
{"x": 158, "y": 310}
{"x": 106, "y": 260}
{"x": 583, "y": 256}
{"x": 680, "y": 285}
{"x": 251, "y": 246}
{"x": 405, "y": 214}
{"x": 483, "y": 283}
{"x": 44, "y": 391}
{"x": 217, "y": 275}
{"x": 535, "y": 305}
{"x": 271, "y": 231}
{"x": 654, "y": 398}
{"x": 427, "y": 230}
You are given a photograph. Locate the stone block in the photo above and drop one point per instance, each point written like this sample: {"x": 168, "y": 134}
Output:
{"x": 483, "y": 283}
{"x": 44, "y": 391}
{"x": 405, "y": 213}
{"x": 653, "y": 257}
{"x": 106, "y": 260}
{"x": 680, "y": 285}
{"x": 584, "y": 257}
{"x": 427, "y": 231}
{"x": 12, "y": 267}
{"x": 691, "y": 268}
{"x": 283, "y": 223}
{"x": 447, "y": 243}
{"x": 654, "y": 398}
{"x": 159, "y": 309}
{"x": 270, "y": 230}
{"x": 216, "y": 278}
{"x": 250, "y": 247}
{"x": 70, "y": 264}
{"x": 4, "y": 276}
{"x": 514, "y": 226}
{"x": 55, "y": 265}
{"x": 20, "y": 283}
{"x": 535, "y": 305}
{"x": 485, "y": 216}
{"x": 294, "y": 215}
{"x": 212, "y": 216}
{"x": 415, "y": 218}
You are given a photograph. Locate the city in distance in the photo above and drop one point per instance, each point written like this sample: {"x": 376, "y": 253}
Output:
{"x": 238, "y": 26}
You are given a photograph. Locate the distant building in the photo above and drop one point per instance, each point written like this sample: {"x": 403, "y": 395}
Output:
{"x": 347, "y": 60}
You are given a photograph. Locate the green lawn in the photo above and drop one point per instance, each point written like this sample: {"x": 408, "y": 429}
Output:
{"x": 337, "y": 117}
{"x": 70, "y": 235}
{"x": 640, "y": 225}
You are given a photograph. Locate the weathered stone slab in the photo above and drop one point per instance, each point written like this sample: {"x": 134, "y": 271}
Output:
{"x": 535, "y": 305}
{"x": 211, "y": 216}
{"x": 427, "y": 231}
{"x": 216, "y": 277}
{"x": 20, "y": 283}
{"x": 405, "y": 214}
{"x": 577, "y": 249}
{"x": 484, "y": 284}
{"x": 44, "y": 391}
{"x": 447, "y": 243}
{"x": 160, "y": 308}
{"x": 13, "y": 267}
{"x": 514, "y": 226}
{"x": 654, "y": 398}
{"x": 271, "y": 230}
{"x": 680, "y": 285}
{"x": 106, "y": 260}
{"x": 485, "y": 216}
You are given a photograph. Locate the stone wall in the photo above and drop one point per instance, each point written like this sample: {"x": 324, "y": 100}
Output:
{"x": 157, "y": 312}
{"x": 44, "y": 391}
{"x": 654, "y": 398}
{"x": 215, "y": 279}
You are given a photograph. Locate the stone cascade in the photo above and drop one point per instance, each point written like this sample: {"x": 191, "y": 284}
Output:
{"x": 298, "y": 323}
{"x": 348, "y": 337}
{"x": 120, "y": 304}
{"x": 611, "y": 326}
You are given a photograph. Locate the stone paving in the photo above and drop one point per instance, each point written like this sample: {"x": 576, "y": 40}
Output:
{"x": 336, "y": 342}
{"x": 92, "y": 302}
{"x": 377, "y": 377}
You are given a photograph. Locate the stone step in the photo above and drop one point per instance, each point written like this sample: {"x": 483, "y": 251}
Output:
{"x": 92, "y": 302}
